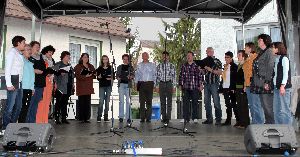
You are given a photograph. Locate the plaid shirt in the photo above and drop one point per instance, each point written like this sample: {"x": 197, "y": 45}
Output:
{"x": 190, "y": 76}
{"x": 168, "y": 69}
{"x": 211, "y": 78}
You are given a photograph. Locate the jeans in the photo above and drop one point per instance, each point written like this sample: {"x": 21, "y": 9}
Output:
{"x": 104, "y": 95}
{"x": 282, "y": 107}
{"x": 124, "y": 92}
{"x": 256, "y": 111}
{"x": 35, "y": 99}
{"x": 212, "y": 90}
{"x": 13, "y": 107}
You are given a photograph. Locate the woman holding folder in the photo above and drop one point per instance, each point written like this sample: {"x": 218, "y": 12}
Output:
{"x": 84, "y": 87}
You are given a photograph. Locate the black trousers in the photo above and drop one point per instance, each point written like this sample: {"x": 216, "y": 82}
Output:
{"x": 230, "y": 102}
{"x": 267, "y": 104}
{"x": 84, "y": 107}
{"x": 27, "y": 94}
{"x": 145, "y": 98}
{"x": 60, "y": 109}
{"x": 242, "y": 107}
{"x": 188, "y": 96}
{"x": 165, "y": 94}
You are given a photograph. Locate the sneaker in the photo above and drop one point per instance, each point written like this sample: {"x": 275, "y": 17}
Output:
{"x": 2, "y": 132}
{"x": 106, "y": 120}
{"x": 182, "y": 121}
{"x": 129, "y": 121}
{"x": 207, "y": 122}
{"x": 195, "y": 121}
{"x": 226, "y": 123}
{"x": 87, "y": 121}
{"x": 121, "y": 120}
{"x": 98, "y": 119}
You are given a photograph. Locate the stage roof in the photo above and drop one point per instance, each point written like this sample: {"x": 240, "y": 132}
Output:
{"x": 240, "y": 10}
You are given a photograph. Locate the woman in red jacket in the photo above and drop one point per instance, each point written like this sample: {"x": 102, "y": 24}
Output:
{"x": 84, "y": 87}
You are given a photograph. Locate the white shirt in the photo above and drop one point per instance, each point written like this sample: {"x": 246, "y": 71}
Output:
{"x": 226, "y": 82}
{"x": 14, "y": 64}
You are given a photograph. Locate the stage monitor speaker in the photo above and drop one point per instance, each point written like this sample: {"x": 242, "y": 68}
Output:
{"x": 29, "y": 137}
{"x": 270, "y": 139}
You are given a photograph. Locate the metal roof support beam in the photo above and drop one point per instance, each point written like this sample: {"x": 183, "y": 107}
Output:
{"x": 92, "y": 4}
{"x": 246, "y": 5}
{"x": 161, "y": 5}
{"x": 195, "y": 5}
{"x": 178, "y": 3}
{"x": 60, "y": 1}
{"x": 39, "y": 4}
{"x": 229, "y": 6}
{"x": 124, "y": 5}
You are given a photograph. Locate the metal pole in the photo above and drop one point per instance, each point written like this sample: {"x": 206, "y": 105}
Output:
{"x": 2, "y": 15}
{"x": 33, "y": 28}
{"x": 290, "y": 36}
{"x": 243, "y": 35}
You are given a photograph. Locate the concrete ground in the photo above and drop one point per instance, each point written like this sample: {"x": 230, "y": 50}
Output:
{"x": 88, "y": 139}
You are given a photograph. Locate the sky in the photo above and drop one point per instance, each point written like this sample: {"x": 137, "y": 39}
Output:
{"x": 149, "y": 26}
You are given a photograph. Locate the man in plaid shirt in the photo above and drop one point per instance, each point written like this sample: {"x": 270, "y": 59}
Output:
{"x": 191, "y": 83}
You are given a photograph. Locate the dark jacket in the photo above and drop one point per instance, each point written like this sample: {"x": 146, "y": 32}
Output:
{"x": 122, "y": 74}
{"x": 233, "y": 75}
{"x": 40, "y": 79}
{"x": 84, "y": 85}
{"x": 105, "y": 73}
{"x": 263, "y": 67}
{"x": 65, "y": 82}
{"x": 279, "y": 73}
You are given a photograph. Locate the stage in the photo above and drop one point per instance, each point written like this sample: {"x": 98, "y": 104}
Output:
{"x": 87, "y": 139}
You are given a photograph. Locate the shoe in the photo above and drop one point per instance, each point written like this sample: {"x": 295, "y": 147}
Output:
{"x": 142, "y": 120}
{"x": 129, "y": 121}
{"x": 218, "y": 123}
{"x": 2, "y": 132}
{"x": 106, "y": 120}
{"x": 148, "y": 121}
{"x": 57, "y": 122}
{"x": 241, "y": 127}
{"x": 182, "y": 121}
{"x": 98, "y": 119}
{"x": 121, "y": 120}
{"x": 195, "y": 121}
{"x": 167, "y": 121}
{"x": 236, "y": 125}
{"x": 226, "y": 123}
{"x": 207, "y": 122}
{"x": 65, "y": 122}
{"x": 87, "y": 121}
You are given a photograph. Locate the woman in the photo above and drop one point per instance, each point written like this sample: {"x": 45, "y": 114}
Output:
{"x": 104, "y": 75}
{"x": 262, "y": 82}
{"x": 256, "y": 111}
{"x": 64, "y": 85}
{"x": 84, "y": 87}
{"x": 27, "y": 83}
{"x": 282, "y": 85}
{"x": 241, "y": 97}
{"x": 43, "y": 107}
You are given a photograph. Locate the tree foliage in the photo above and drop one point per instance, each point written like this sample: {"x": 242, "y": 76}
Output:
{"x": 182, "y": 36}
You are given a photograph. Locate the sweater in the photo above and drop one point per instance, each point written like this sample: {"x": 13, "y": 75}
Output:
{"x": 84, "y": 85}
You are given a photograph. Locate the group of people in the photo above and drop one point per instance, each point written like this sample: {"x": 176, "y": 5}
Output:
{"x": 260, "y": 82}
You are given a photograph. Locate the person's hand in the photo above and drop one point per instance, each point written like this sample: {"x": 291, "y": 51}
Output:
{"x": 130, "y": 77}
{"x": 282, "y": 90}
{"x": 200, "y": 88}
{"x": 174, "y": 90}
{"x": 32, "y": 92}
{"x": 208, "y": 68}
{"x": 88, "y": 75}
{"x": 55, "y": 86}
{"x": 49, "y": 75}
{"x": 232, "y": 91}
{"x": 244, "y": 89}
{"x": 157, "y": 90}
{"x": 37, "y": 71}
{"x": 12, "y": 88}
{"x": 266, "y": 87}
{"x": 99, "y": 76}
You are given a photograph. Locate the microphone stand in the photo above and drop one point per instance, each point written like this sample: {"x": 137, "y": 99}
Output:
{"x": 112, "y": 129}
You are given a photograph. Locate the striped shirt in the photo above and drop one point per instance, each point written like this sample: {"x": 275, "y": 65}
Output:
{"x": 211, "y": 78}
{"x": 166, "y": 72}
{"x": 190, "y": 76}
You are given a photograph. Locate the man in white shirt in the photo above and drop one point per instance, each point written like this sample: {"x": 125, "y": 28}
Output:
{"x": 14, "y": 64}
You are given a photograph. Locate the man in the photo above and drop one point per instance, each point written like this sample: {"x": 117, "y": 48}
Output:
{"x": 191, "y": 83}
{"x": 228, "y": 87}
{"x": 125, "y": 74}
{"x": 211, "y": 89}
{"x": 166, "y": 80}
{"x": 39, "y": 83}
{"x": 64, "y": 85}
{"x": 145, "y": 79}
{"x": 14, "y": 64}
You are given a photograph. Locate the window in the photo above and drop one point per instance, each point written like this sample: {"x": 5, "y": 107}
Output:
{"x": 275, "y": 34}
{"x": 75, "y": 51}
{"x": 250, "y": 36}
{"x": 92, "y": 51}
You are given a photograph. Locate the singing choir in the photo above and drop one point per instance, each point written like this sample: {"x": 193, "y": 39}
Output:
{"x": 259, "y": 83}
